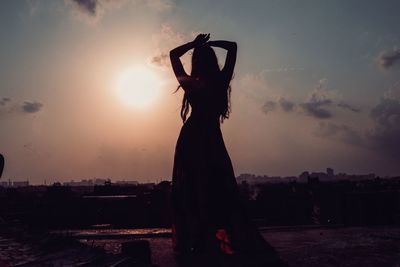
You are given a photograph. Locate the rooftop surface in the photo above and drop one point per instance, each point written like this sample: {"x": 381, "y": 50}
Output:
{"x": 322, "y": 247}
{"x": 298, "y": 246}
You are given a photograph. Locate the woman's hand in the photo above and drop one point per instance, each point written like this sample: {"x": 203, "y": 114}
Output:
{"x": 201, "y": 39}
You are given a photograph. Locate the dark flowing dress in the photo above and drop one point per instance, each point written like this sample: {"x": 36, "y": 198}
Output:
{"x": 208, "y": 213}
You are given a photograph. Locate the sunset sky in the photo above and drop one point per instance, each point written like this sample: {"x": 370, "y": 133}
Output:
{"x": 87, "y": 90}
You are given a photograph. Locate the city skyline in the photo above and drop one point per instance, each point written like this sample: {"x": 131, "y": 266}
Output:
{"x": 328, "y": 175}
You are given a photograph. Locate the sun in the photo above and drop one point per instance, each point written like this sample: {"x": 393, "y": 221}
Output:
{"x": 138, "y": 87}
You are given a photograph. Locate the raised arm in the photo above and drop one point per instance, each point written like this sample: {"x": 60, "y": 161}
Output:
{"x": 179, "y": 51}
{"x": 230, "y": 60}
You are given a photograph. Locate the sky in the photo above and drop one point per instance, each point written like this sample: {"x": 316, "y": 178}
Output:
{"x": 316, "y": 85}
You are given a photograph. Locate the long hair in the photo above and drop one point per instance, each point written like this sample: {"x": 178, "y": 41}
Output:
{"x": 205, "y": 66}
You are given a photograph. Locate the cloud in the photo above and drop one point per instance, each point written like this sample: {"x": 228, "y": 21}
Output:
{"x": 282, "y": 103}
{"x": 93, "y": 10}
{"x": 89, "y": 11}
{"x": 286, "y": 105}
{"x": 385, "y": 134}
{"x": 161, "y": 5}
{"x": 318, "y": 105}
{"x": 4, "y": 101}
{"x": 389, "y": 59}
{"x": 31, "y": 107}
{"x": 88, "y": 7}
{"x": 318, "y": 101}
{"x": 269, "y": 106}
{"x": 10, "y": 108}
{"x": 348, "y": 107}
{"x": 393, "y": 92}
{"x": 161, "y": 60}
{"x": 317, "y": 109}
{"x": 165, "y": 40}
{"x": 168, "y": 35}
{"x": 340, "y": 132}
{"x": 382, "y": 137}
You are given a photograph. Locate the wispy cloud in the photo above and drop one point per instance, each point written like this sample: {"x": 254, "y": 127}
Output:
{"x": 161, "y": 5}
{"x": 166, "y": 39}
{"x": 340, "y": 132}
{"x": 4, "y": 101}
{"x": 93, "y": 10}
{"x": 386, "y": 130}
{"x": 89, "y": 7}
{"x": 8, "y": 106}
{"x": 282, "y": 103}
{"x": 319, "y": 103}
{"x": 286, "y": 105}
{"x": 347, "y": 106}
{"x": 31, "y": 107}
{"x": 382, "y": 136}
{"x": 317, "y": 109}
{"x": 389, "y": 59}
{"x": 269, "y": 106}
{"x": 160, "y": 60}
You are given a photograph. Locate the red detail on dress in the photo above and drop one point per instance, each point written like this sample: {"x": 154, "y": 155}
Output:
{"x": 225, "y": 243}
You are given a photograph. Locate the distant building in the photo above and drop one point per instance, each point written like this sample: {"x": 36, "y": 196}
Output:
{"x": 20, "y": 183}
{"x": 245, "y": 177}
{"x": 100, "y": 181}
{"x": 80, "y": 183}
{"x": 252, "y": 179}
{"x": 322, "y": 176}
{"x": 330, "y": 172}
{"x": 148, "y": 185}
{"x": 123, "y": 182}
{"x": 304, "y": 176}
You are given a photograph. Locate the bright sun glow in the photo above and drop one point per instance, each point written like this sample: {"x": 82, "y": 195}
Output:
{"x": 138, "y": 87}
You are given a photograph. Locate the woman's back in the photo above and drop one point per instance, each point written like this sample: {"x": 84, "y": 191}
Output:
{"x": 206, "y": 99}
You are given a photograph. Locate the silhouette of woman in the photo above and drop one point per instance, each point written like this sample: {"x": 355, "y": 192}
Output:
{"x": 208, "y": 214}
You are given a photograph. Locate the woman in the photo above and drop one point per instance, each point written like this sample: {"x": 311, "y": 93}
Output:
{"x": 208, "y": 214}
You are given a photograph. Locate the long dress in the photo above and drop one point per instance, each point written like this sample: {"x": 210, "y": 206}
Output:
{"x": 208, "y": 213}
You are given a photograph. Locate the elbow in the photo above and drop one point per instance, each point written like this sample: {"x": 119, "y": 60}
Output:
{"x": 233, "y": 48}
{"x": 234, "y": 45}
{"x": 172, "y": 54}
